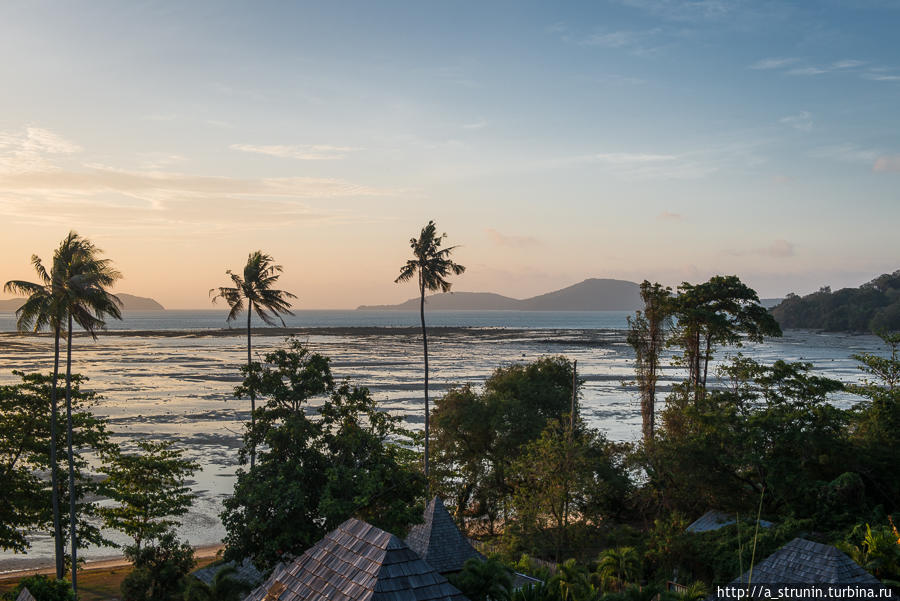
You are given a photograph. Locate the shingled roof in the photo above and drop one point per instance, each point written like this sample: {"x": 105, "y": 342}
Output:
{"x": 804, "y": 562}
{"x": 439, "y": 542}
{"x": 25, "y": 595}
{"x": 713, "y": 520}
{"x": 357, "y": 561}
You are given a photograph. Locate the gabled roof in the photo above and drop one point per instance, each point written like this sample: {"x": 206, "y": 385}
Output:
{"x": 357, "y": 561}
{"x": 713, "y": 520}
{"x": 804, "y": 562}
{"x": 439, "y": 542}
{"x": 25, "y": 595}
{"x": 246, "y": 572}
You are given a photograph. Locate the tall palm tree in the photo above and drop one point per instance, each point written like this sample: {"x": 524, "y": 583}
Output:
{"x": 42, "y": 309}
{"x": 617, "y": 566}
{"x": 255, "y": 287}
{"x": 83, "y": 278}
{"x": 432, "y": 264}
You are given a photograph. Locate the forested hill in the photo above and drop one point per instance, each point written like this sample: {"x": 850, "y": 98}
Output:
{"x": 873, "y": 307}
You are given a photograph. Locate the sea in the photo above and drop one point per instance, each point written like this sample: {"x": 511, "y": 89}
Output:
{"x": 170, "y": 375}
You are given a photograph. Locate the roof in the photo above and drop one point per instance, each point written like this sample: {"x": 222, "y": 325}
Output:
{"x": 713, "y": 520}
{"x": 246, "y": 572}
{"x": 439, "y": 542}
{"x": 357, "y": 561}
{"x": 25, "y": 595}
{"x": 804, "y": 562}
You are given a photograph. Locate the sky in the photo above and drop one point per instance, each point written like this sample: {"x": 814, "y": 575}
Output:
{"x": 667, "y": 140}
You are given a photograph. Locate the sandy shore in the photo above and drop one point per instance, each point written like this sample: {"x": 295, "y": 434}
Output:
{"x": 15, "y": 569}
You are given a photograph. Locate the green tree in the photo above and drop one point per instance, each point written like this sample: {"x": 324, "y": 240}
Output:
{"x": 256, "y": 289}
{"x": 487, "y": 580}
{"x": 720, "y": 311}
{"x": 150, "y": 491}
{"x": 478, "y": 435}
{"x": 25, "y": 430}
{"x": 571, "y": 581}
{"x": 566, "y": 473}
{"x": 618, "y": 566}
{"x": 647, "y": 333}
{"x": 319, "y": 466}
{"x": 159, "y": 570}
{"x": 80, "y": 279}
{"x": 43, "y": 588}
{"x": 431, "y": 264}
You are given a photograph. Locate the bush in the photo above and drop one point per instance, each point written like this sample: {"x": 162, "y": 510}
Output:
{"x": 43, "y": 588}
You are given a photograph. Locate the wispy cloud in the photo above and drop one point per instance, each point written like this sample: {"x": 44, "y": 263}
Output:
{"x": 847, "y": 153}
{"x": 774, "y": 63}
{"x": 801, "y": 121}
{"x": 481, "y": 124}
{"x": 686, "y": 10}
{"x": 512, "y": 241}
{"x": 630, "y": 165}
{"x": 880, "y": 76}
{"x": 669, "y": 216}
{"x": 887, "y": 164}
{"x": 778, "y": 249}
{"x": 847, "y": 64}
{"x": 306, "y": 152}
{"x": 28, "y": 150}
{"x": 638, "y": 42}
{"x": 807, "y": 71}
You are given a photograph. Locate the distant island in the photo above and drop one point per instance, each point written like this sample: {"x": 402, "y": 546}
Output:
{"x": 590, "y": 295}
{"x": 130, "y": 302}
{"x": 873, "y": 307}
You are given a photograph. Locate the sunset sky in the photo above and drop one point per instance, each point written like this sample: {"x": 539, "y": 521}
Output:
{"x": 659, "y": 139}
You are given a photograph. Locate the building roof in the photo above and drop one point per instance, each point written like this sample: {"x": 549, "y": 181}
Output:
{"x": 713, "y": 520}
{"x": 357, "y": 561}
{"x": 439, "y": 542}
{"x": 25, "y": 595}
{"x": 245, "y": 572}
{"x": 804, "y": 562}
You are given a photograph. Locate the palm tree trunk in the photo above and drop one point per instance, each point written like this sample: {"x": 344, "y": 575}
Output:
{"x": 72, "y": 532}
{"x": 54, "y": 476}
{"x": 425, "y": 345}
{"x": 252, "y": 392}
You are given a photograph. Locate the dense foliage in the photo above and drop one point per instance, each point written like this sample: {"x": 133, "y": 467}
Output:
{"x": 316, "y": 465}
{"x": 873, "y": 307}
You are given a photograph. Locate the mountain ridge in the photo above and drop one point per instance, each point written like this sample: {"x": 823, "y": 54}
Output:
{"x": 592, "y": 294}
{"x": 130, "y": 302}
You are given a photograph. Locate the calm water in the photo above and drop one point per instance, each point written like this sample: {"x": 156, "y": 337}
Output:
{"x": 177, "y": 383}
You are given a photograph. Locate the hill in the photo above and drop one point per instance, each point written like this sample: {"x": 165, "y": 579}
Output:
{"x": 130, "y": 302}
{"x": 873, "y": 307}
{"x": 590, "y": 295}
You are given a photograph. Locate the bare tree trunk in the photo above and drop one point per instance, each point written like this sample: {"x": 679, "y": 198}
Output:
{"x": 54, "y": 475}
{"x": 252, "y": 391}
{"x": 73, "y": 534}
{"x": 427, "y": 411}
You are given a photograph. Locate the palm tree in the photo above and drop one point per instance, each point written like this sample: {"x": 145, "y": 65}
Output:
{"x": 83, "y": 279}
{"x": 570, "y": 580}
{"x": 42, "y": 309}
{"x": 618, "y": 565}
{"x": 255, "y": 288}
{"x": 432, "y": 265}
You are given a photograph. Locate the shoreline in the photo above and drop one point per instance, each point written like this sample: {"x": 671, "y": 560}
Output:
{"x": 103, "y": 563}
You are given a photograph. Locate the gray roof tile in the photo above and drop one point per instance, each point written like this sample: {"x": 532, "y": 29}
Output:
{"x": 804, "y": 562}
{"x": 439, "y": 542}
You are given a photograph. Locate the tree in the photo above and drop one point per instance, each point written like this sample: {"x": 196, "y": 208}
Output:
{"x": 159, "y": 570}
{"x": 570, "y": 580}
{"x": 150, "y": 491}
{"x": 566, "y": 473}
{"x": 256, "y": 288}
{"x": 723, "y": 310}
{"x": 876, "y": 421}
{"x": 82, "y": 280}
{"x": 487, "y": 580}
{"x": 647, "y": 333}
{"x": 43, "y": 589}
{"x": 431, "y": 264}
{"x": 478, "y": 435}
{"x": 617, "y": 566}
{"x": 42, "y": 309}
{"x": 25, "y": 430}
{"x": 319, "y": 466}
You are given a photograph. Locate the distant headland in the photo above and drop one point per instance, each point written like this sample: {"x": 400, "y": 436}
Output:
{"x": 590, "y": 295}
{"x": 130, "y": 302}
